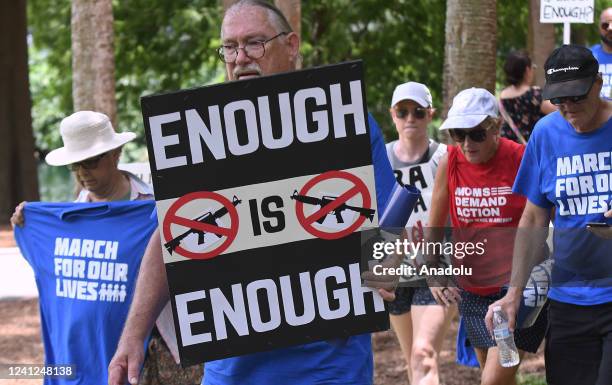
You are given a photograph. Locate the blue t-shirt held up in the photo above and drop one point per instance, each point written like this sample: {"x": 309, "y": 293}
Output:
{"x": 85, "y": 258}
{"x": 572, "y": 172}
{"x": 345, "y": 361}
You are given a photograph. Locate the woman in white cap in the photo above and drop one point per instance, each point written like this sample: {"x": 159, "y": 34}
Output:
{"x": 91, "y": 151}
{"x": 418, "y": 321}
{"x": 474, "y": 186}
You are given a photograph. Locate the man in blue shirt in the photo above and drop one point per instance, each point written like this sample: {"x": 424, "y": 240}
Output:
{"x": 567, "y": 166}
{"x": 247, "y": 25}
{"x": 603, "y": 52}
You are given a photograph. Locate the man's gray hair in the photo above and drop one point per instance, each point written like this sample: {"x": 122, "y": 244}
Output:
{"x": 276, "y": 17}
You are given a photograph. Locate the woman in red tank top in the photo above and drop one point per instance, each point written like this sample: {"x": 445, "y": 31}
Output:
{"x": 474, "y": 186}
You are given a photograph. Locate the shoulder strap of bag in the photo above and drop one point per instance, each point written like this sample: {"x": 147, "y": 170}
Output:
{"x": 510, "y": 122}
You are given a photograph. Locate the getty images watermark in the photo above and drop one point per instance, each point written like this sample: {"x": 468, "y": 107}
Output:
{"x": 413, "y": 264}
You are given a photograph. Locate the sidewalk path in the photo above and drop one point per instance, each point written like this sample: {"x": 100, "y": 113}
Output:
{"x": 16, "y": 276}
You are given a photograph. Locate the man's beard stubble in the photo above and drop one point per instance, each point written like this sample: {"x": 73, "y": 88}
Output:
{"x": 607, "y": 41}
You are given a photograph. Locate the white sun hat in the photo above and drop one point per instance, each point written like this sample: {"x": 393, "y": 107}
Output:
{"x": 470, "y": 108}
{"x": 86, "y": 134}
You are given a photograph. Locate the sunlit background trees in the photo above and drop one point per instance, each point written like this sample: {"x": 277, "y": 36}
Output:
{"x": 61, "y": 55}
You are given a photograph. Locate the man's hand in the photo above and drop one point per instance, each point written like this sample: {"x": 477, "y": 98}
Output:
{"x": 509, "y": 304}
{"x": 603, "y": 232}
{"x": 17, "y": 217}
{"x": 126, "y": 362}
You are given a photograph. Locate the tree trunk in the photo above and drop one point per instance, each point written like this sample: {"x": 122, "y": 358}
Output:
{"x": 227, "y": 3}
{"x": 292, "y": 9}
{"x": 471, "y": 46}
{"x": 93, "y": 57}
{"x": 540, "y": 40}
{"x": 18, "y": 176}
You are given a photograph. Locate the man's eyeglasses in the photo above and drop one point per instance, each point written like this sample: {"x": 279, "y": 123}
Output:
{"x": 605, "y": 25}
{"x": 565, "y": 99}
{"x": 418, "y": 113}
{"x": 477, "y": 135}
{"x": 87, "y": 164}
{"x": 253, "y": 49}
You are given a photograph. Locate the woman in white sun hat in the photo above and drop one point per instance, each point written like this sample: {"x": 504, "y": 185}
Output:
{"x": 91, "y": 151}
{"x": 474, "y": 186}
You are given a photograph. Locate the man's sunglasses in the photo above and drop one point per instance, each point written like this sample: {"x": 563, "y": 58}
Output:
{"x": 418, "y": 113}
{"x": 565, "y": 99}
{"x": 477, "y": 135}
{"x": 87, "y": 164}
{"x": 605, "y": 25}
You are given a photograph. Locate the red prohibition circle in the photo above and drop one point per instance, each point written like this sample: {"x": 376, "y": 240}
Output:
{"x": 358, "y": 188}
{"x": 230, "y": 233}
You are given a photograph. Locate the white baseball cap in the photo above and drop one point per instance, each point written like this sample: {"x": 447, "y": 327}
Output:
{"x": 412, "y": 91}
{"x": 86, "y": 134}
{"x": 470, "y": 108}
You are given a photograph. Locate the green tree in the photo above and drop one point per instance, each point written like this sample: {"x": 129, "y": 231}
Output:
{"x": 540, "y": 41}
{"x": 471, "y": 42}
{"x": 159, "y": 46}
{"x": 50, "y": 69}
{"x": 163, "y": 45}
{"x": 93, "y": 57}
{"x": 17, "y": 166}
{"x": 398, "y": 41}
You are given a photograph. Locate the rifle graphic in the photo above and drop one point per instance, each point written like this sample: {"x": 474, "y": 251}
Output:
{"x": 326, "y": 199}
{"x": 208, "y": 218}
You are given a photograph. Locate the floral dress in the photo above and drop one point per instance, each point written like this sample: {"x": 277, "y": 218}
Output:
{"x": 524, "y": 111}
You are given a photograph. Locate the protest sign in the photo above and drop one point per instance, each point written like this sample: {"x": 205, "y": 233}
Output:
{"x": 140, "y": 169}
{"x": 567, "y": 11}
{"x": 262, "y": 187}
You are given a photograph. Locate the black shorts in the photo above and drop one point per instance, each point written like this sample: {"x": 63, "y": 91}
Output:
{"x": 579, "y": 344}
{"x": 405, "y": 297}
{"x": 473, "y": 308}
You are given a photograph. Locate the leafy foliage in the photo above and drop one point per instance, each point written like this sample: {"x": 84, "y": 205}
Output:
{"x": 50, "y": 68}
{"x": 399, "y": 41}
{"x": 164, "y": 45}
{"x": 159, "y": 46}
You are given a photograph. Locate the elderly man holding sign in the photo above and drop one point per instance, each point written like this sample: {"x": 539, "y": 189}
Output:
{"x": 257, "y": 40}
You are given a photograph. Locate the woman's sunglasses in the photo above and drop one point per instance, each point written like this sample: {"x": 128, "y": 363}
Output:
{"x": 477, "y": 135}
{"x": 87, "y": 164}
{"x": 605, "y": 26}
{"x": 418, "y": 113}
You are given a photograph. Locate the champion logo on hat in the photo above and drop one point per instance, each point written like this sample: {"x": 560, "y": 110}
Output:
{"x": 570, "y": 70}
{"x": 553, "y": 70}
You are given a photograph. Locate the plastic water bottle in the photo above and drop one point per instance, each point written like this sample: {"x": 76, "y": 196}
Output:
{"x": 508, "y": 353}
